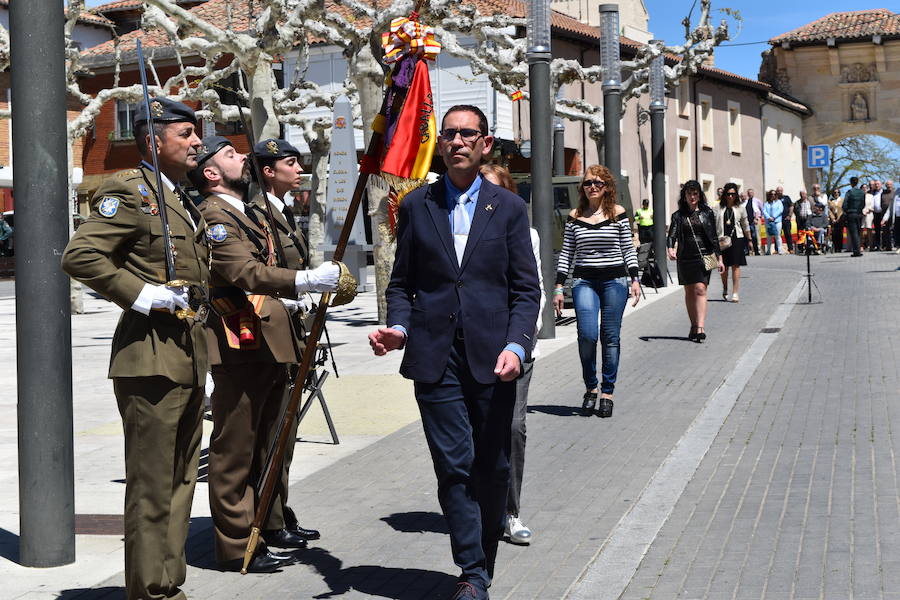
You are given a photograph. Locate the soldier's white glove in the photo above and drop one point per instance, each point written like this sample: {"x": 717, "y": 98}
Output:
{"x": 323, "y": 278}
{"x": 169, "y": 298}
{"x": 292, "y": 306}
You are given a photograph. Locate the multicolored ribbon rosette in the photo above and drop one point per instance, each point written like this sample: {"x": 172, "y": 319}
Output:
{"x": 408, "y": 37}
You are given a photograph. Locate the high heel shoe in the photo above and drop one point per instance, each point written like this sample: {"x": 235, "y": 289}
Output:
{"x": 700, "y": 335}
{"x": 692, "y": 335}
{"x": 587, "y": 406}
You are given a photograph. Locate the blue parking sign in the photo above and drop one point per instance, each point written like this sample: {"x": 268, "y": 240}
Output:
{"x": 817, "y": 157}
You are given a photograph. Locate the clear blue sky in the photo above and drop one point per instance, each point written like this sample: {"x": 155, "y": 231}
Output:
{"x": 762, "y": 20}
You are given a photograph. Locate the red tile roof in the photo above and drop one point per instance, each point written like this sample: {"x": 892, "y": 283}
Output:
{"x": 844, "y": 26}
{"x": 215, "y": 12}
{"x": 119, "y": 5}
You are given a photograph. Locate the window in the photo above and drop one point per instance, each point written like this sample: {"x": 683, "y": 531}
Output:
{"x": 228, "y": 95}
{"x": 708, "y": 183}
{"x": 705, "y": 116}
{"x": 685, "y": 173}
{"x": 734, "y": 127}
{"x": 125, "y": 112}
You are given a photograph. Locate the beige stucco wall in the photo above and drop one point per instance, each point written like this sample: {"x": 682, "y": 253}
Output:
{"x": 825, "y": 79}
{"x": 783, "y": 162}
{"x": 634, "y": 19}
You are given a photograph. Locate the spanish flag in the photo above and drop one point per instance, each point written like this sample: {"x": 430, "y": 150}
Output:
{"x": 410, "y": 139}
{"x": 517, "y": 95}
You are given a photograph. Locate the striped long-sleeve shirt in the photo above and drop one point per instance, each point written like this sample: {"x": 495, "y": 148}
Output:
{"x": 600, "y": 251}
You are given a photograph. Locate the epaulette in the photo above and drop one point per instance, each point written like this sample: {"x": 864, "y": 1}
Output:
{"x": 128, "y": 173}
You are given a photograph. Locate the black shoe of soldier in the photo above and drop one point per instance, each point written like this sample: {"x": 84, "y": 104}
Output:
{"x": 282, "y": 538}
{"x": 266, "y": 562}
{"x": 306, "y": 534}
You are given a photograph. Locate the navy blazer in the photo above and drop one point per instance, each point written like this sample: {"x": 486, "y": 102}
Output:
{"x": 493, "y": 296}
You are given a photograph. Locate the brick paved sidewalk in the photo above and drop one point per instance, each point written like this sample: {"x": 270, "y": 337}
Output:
{"x": 383, "y": 536}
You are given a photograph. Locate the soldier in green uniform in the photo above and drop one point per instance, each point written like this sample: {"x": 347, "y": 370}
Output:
{"x": 251, "y": 344}
{"x": 279, "y": 162}
{"x": 159, "y": 361}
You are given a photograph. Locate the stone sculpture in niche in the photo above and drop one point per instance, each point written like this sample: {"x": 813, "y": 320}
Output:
{"x": 859, "y": 108}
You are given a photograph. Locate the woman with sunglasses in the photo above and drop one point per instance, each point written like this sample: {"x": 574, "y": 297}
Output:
{"x": 598, "y": 248}
{"x": 693, "y": 231}
{"x": 732, "y": 223}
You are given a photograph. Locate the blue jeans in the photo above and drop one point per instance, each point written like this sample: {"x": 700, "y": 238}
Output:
{"x": 607, "y": 298}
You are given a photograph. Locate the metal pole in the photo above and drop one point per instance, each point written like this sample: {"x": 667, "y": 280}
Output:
{"x": 612, "y": 93}
{"x": 658, "y": 161}
{"x": 542, "y": 178}
{"x": 559, "y": 148}
{"x": 541, "y": 107}
{"x": 658, "y": 150}
{"x": 43, "y": 318}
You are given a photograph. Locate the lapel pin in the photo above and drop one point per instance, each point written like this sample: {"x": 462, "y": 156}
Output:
{"x": 489, "y": 207}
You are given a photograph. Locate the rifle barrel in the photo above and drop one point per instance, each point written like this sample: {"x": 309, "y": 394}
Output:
{"x": 160, "y": 193}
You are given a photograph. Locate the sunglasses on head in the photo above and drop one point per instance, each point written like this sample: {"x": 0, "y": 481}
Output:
{"x": 589, "y": 183}
{"x": 467, "y": 135}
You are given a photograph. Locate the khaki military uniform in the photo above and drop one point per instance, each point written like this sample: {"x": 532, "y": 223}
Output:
{"x": 158, "y": 367}
{"x": 250, "y": 373}
{"x": 296, "y": 257}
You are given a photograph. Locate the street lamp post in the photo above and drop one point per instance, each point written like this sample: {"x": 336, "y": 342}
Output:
{"x": 538, "y": 27}
{"x": 658, "y": 155}
{"x": 43, "y": 318}
{"x": 612, "y": 92}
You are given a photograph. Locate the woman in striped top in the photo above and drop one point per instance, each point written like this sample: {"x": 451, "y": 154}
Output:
{"x": 598, "y": 247}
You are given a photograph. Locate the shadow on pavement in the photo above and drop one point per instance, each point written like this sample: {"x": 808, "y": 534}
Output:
{"x": 382, "y": 582}
{"x": 9, "y": 545}
{"x": 557, "y": 411}
{"x": 417, "y": 522}
{"x": 104, "y": 593}
{"x": 677, "y": 338}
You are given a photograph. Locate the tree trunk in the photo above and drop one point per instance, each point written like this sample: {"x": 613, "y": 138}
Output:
{"x": 319, "y": 148}
{"x": 262, "y": 107}
{"x": 368, "y": 76}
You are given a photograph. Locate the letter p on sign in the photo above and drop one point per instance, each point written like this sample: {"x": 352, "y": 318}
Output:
{"x": 817, "y": 157}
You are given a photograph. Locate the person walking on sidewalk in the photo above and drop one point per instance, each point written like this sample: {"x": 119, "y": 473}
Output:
{"x": 853, "y": 206}
{"x": 159, "y": 361}
{"x": 598, "y": 249}
{"x": 754, "y": 215}
{"x": 772, "y": 212}
{"x": 692, "y": 230}
{"x": 251, "y": 344}
{"x": 732, "y": 223}
{"x": 786, "y": 214}
{"x": 836, "y": 220}
{"x": 516, "y": 530}
{"x": 463, "y": 300}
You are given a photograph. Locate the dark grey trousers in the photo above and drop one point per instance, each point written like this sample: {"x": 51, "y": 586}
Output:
{"x": 517, "y": 447}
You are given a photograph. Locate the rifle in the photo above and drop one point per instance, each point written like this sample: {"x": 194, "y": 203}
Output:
{"x": 169, "y": 246}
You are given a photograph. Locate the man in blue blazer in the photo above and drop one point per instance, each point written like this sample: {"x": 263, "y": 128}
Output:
{"x": 463, "y": 300}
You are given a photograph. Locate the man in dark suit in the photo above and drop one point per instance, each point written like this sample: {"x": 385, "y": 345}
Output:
{"x": 463, "y": 299}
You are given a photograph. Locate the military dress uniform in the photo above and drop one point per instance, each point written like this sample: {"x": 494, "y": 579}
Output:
{"x": 158, "y": 366}
{"x": 251, "y": 344}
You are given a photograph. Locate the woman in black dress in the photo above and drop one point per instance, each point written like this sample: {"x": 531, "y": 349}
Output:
{"x": 732, "y": 223}
{"x": 693, "y": 231}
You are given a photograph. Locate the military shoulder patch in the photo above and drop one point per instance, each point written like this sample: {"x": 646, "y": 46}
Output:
{"x": 216, "y": 233}
{"x": 109, "y": 206}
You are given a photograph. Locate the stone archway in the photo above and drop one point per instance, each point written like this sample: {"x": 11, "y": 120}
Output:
{"x": 846, "y": 68}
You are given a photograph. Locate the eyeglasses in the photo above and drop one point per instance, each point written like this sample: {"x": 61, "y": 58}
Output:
{"x": 589, "y": 183}
{"x": 731, "y": 193}
{"x": 467, "y": 135}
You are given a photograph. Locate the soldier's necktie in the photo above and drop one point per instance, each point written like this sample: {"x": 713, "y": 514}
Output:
{"x": 461, "y": 225}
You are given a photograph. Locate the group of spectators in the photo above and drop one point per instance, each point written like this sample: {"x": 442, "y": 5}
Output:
{"x": 817, "y": 214}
